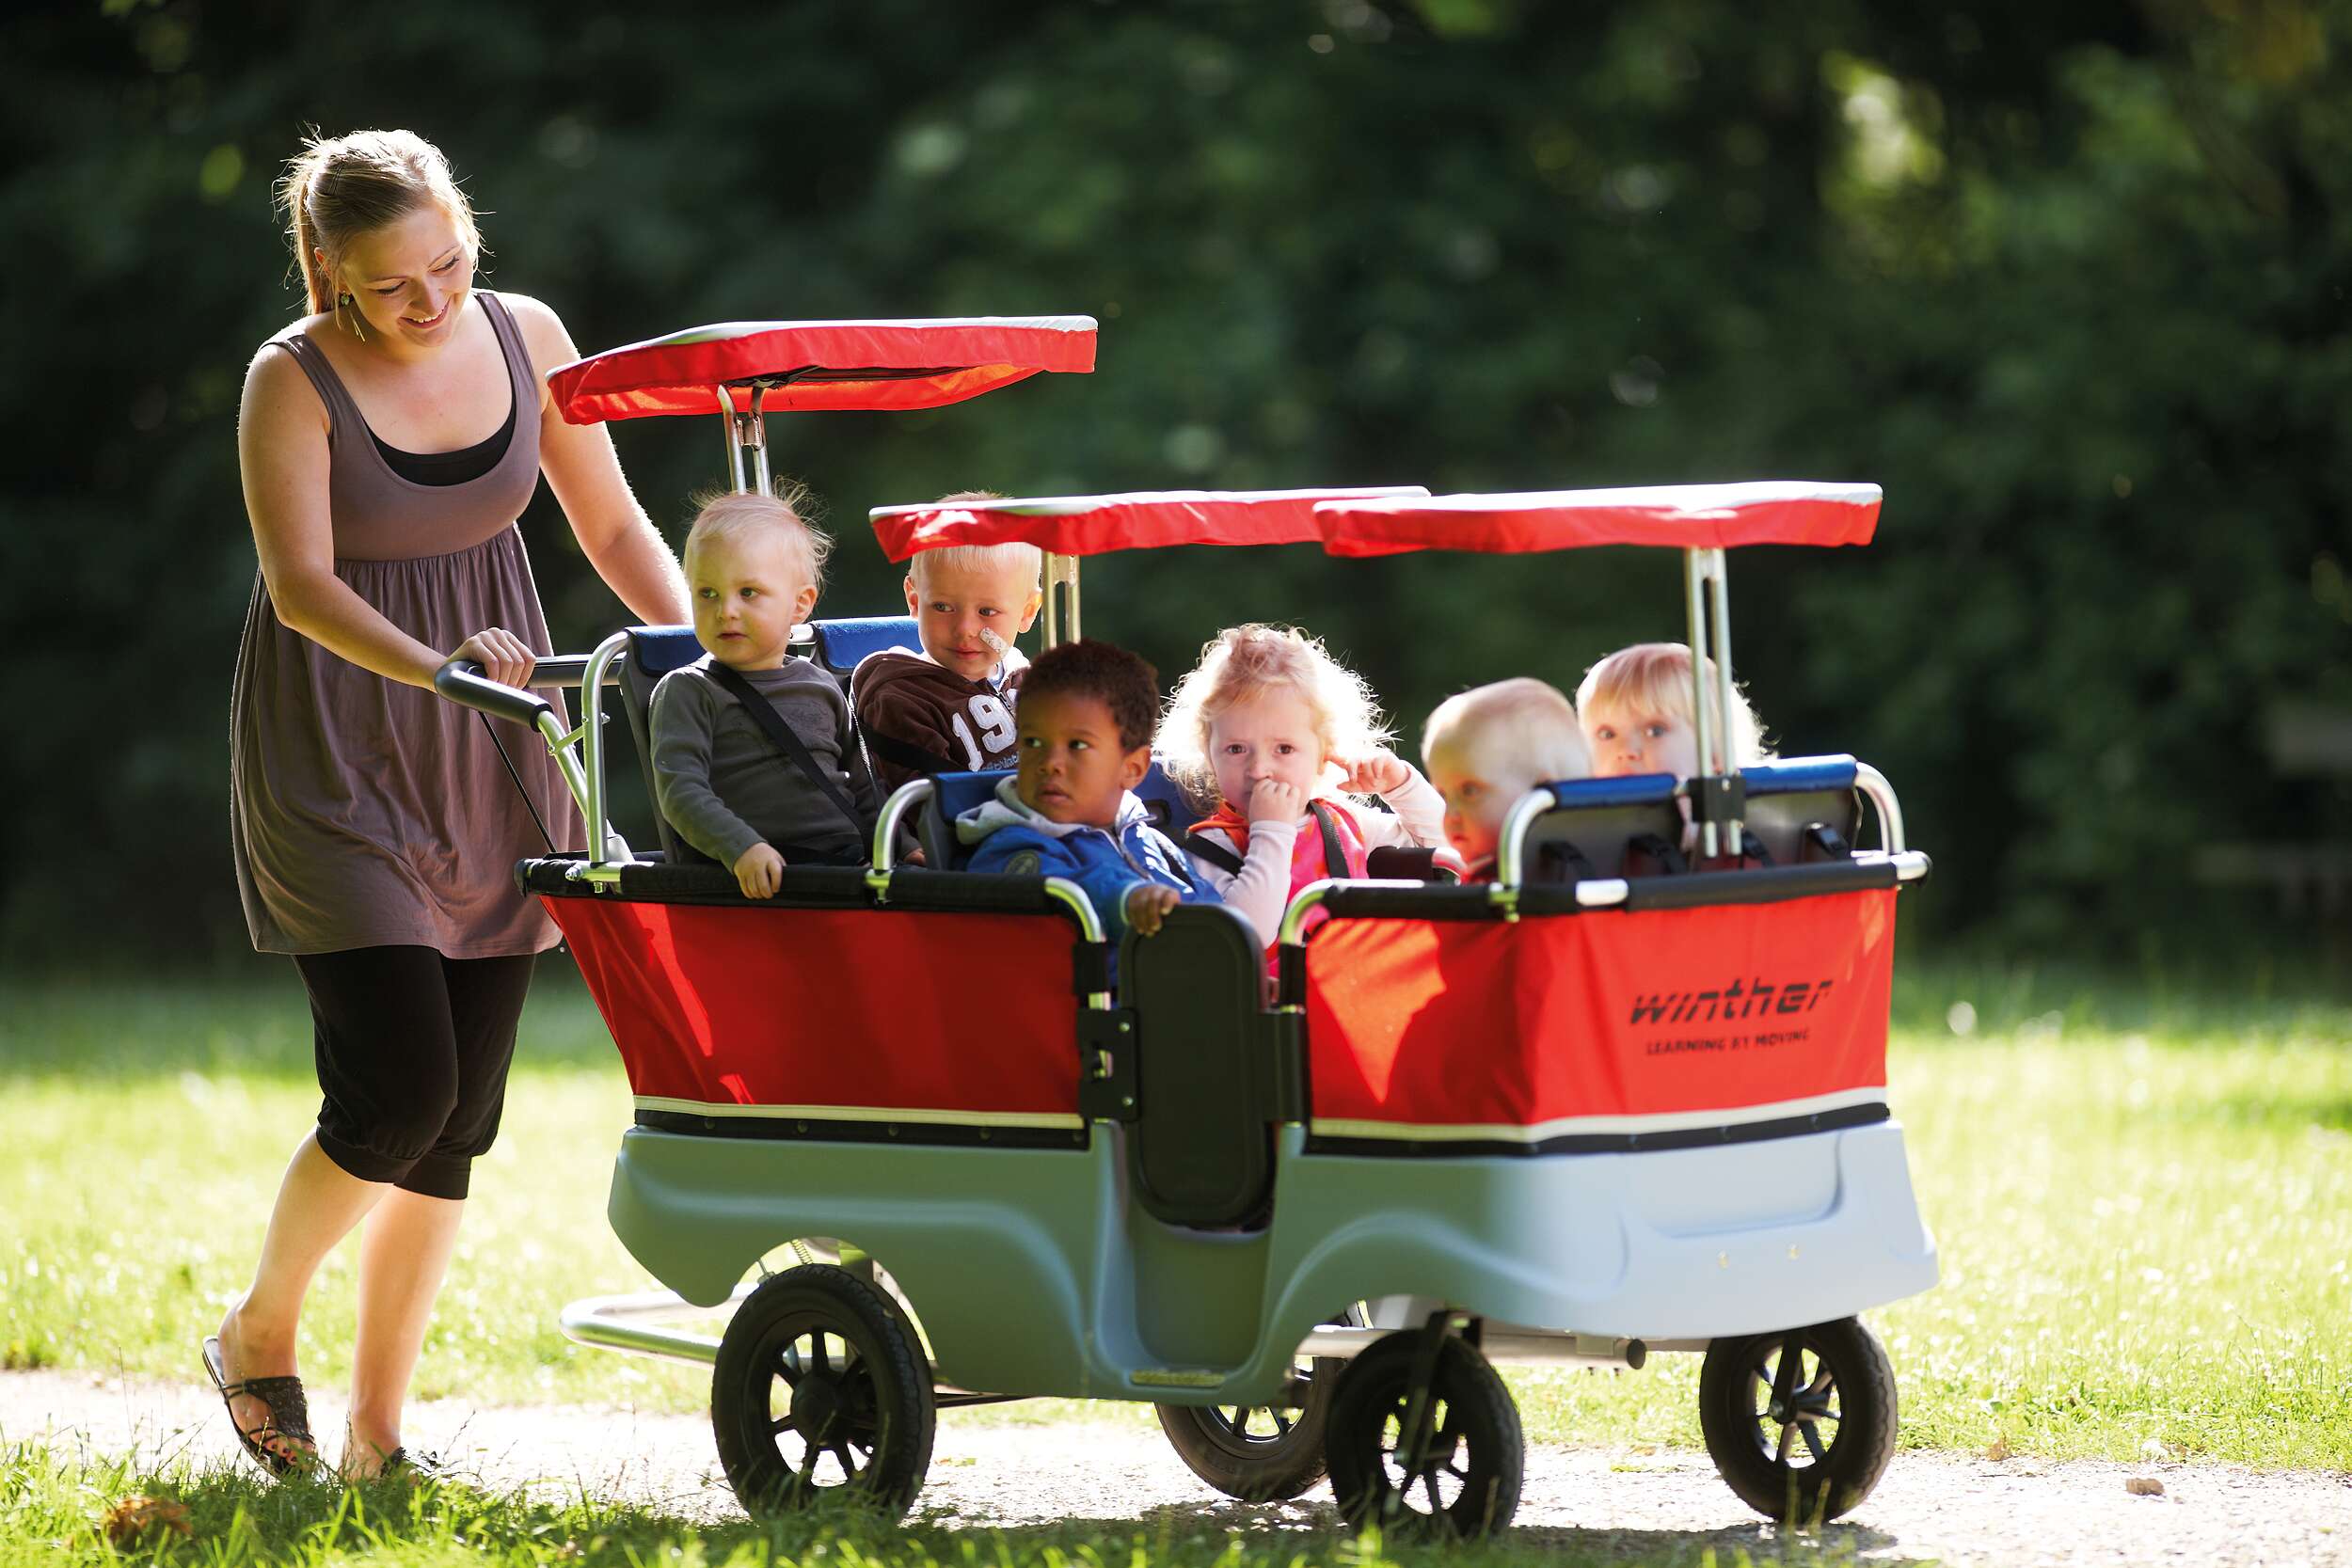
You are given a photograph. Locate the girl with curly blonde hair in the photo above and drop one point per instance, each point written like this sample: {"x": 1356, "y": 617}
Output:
{"x": 1285, "y": 739}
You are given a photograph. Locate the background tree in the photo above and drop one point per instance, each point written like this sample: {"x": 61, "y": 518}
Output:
{"x": 2068, "y": 281}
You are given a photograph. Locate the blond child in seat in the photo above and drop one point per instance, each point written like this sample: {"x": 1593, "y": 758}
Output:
{"x": 1635, "y": 708}
{"x": 1285, "y": 738}
{"x": 1486, "y": 747}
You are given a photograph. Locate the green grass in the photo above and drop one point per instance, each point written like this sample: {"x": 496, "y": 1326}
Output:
{"x": 2143, "y": 1202}
{"x": 50, "y": 1513}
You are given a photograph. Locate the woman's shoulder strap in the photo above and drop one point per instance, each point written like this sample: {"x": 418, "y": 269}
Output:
{"x": 510, "y": 336}
{"x": 320, "y": 371}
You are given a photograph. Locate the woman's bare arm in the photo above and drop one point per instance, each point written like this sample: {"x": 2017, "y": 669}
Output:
{"x": 582, "y": 469}
{"x": 282, "y": 455}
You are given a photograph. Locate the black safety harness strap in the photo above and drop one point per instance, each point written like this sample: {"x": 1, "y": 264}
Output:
{"x": 780, "y": 735}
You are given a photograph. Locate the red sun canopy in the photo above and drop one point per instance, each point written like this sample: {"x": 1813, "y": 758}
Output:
{"x": 1684, "y": 516}
{"x": 1143, "y": 519}
{"x": 839, "y": 365}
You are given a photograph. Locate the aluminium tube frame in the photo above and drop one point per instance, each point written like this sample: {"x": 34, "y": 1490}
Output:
{"x": 746, "y": 433}
{"x": 1706, "y": 591}
{"x": 1058, "y": 623}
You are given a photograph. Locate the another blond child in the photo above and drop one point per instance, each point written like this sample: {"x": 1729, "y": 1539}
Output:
{"x": 732, "y": 787}
{"x": 1283, "y": 734}
{"x": 1635, "y": 708}
{"x": 1486, "y": 747}
{"x": 950, "y": 709}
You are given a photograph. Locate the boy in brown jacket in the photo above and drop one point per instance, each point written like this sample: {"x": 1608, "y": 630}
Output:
{"x": 950, "y": 709}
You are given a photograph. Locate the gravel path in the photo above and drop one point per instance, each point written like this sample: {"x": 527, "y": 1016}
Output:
{"x": 985, "y": 1473}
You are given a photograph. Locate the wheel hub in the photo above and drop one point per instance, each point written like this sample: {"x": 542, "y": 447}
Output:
{"x": 816, "y": 1406}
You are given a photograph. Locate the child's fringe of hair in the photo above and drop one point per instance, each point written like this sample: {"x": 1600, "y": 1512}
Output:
{"x": 738, "y": 513}
{"x": 1243, "y": 662}
{"x": 1656, "y": 677}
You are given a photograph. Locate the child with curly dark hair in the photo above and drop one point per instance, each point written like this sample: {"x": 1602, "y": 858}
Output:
{"x": 1087, "y": 710}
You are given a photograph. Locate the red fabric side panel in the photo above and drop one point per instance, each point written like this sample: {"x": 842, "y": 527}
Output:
{"x": 849, "y": 1007}
{"x": 1095, "y": 524}
{"x": 1662, "y": 1012}
{"x": 1688, "y": 518}
{"x": 678, "y": 375}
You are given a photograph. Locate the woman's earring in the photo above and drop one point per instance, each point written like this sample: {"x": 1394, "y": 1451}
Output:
{"x": 357, "y": 330}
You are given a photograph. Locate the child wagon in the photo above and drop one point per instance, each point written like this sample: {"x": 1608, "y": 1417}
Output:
{"x": 1569, "y": 1122}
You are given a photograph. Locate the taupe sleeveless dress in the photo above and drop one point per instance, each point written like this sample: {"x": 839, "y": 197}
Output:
{"x": 365, "y": 812}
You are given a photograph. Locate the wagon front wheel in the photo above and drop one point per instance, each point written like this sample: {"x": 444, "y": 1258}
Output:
{"x": 821, "y": 1393}
{"x": 1468, "y": 1480}
{"x": 1800, "y": 1422}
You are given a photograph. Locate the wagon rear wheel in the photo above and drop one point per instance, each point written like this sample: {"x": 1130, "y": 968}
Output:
{"x": 821, "y": 1394}
{"x": 1256, "y": 1453}
{"x": 1467, "y": 1482}
{"x": 1262, "y": 1453}
{"x": 1800, "y": 1422}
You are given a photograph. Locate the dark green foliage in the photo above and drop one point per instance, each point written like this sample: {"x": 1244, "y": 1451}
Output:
{"x": 2069, "y": 281}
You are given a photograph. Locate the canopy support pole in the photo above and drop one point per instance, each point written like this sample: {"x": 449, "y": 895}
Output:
{"x": 1718, "y": 799}
{"x": 1061, "y": 600}
{"x": 747, "y": 436}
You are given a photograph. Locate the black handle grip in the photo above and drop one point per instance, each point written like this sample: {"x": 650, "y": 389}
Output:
{"x": 461, "y": 681}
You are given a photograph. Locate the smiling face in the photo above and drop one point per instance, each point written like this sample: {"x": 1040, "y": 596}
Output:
{"x": 749, "y": 589}
{"x": 954, "y": 605}
{"x": 1270, "y": 735}
{"x": 1627, "y": 739}
{"x": 1071, "y": 767}
{"x": 409, "y": 280}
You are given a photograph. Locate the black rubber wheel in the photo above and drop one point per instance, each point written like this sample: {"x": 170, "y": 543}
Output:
{"x": 1469, "y": 1481}
{"x": 1808, "y": 1445}
{"x": 1261, "y": 1453}
{"x": 822, "y": 1394}
{"x": 1256, "y": 1453}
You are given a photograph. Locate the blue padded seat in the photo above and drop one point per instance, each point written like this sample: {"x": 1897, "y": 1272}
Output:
{"x": 1790, "y": 798}
{"x": 1799, "y": 810}
{"x": 953, "y": 794}
{"x": 841, "y": 645}
{"x": 1172, "y": 811}
{"x": 1593, "y": 820}
{"x": 653, "y": 653}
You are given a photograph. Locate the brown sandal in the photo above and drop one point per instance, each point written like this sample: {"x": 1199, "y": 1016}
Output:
{"x": 289, "y": 1413}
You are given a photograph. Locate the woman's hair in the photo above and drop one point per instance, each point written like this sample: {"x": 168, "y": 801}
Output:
{"x": 1655, "y": 678}
{"x": 338, "y": 188}
{"x": 750, "y": 515}
{"x": 1240, "y": 664}
{"x": 1027, "y": 559}
{"x": 1522, "y": 732}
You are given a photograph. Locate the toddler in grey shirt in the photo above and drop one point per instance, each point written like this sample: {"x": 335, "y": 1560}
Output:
{"x": 753, "y": 569}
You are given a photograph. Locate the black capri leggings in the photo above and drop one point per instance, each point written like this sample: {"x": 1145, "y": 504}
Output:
{"x": 412, "y": 1053}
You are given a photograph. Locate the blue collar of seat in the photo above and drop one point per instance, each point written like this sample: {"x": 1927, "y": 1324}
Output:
{"x": 658, "y": 650}
{"x": 842, "y": 644}
{"x": 1786, "y": 776}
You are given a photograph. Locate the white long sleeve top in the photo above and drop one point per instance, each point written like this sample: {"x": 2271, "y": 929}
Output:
{"x": 1262, "y": 889}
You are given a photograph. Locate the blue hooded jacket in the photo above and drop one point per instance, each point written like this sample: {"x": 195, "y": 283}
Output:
{"x": 1106, "y": 861}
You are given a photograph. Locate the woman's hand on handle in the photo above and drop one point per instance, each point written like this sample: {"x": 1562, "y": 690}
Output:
{"x": 504, "y": 657}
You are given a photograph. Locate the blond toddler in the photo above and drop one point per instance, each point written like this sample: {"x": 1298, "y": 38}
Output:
{"x": 721, "y": 775}
{"x": 1635, "y": 708}
{"x": 1486, "y": 747}
{"x": 950, "y": 708}
{"x": 1284, "y": 736}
